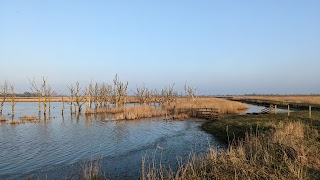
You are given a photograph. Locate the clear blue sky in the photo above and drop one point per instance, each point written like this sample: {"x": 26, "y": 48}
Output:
{"x": 221, "y": 47}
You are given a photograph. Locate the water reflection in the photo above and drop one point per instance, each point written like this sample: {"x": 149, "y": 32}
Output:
{"x": 257, "y": 109}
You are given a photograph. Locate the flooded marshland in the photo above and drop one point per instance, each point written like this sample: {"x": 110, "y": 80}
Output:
{"x": 57, "y": 148}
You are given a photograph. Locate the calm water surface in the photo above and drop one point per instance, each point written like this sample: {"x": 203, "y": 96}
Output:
{"x": 57, "y": 148}
{"x": 257, "y": 109}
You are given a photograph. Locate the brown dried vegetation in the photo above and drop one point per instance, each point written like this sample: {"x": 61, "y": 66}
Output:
{"x": 291, "y": 151}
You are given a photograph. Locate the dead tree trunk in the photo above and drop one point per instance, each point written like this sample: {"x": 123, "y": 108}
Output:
{"x": 120, "y": 92}
{"x": 4, "y": 93}
{"x": 79, "y": 97}
{"x": 43, "y": 92}
{"x": 13, "y": 103}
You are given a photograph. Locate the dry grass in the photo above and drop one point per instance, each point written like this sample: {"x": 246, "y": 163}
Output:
{"x": 2, "y": 118}
{"x": 29, "y": 118}
{"x": 224, "y": 106}
{"x": 138, "y": 112}
{"x": 14, "y": 122}
{"x": 291, "y": 151}
{"x": 91, "y": 170}
{"x": 105, "y": 110}
{"x": 286, "y": 99}
{"x": 181, "y": 116}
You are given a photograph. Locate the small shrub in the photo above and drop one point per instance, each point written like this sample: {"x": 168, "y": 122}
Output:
{"x": 29, "y": 118}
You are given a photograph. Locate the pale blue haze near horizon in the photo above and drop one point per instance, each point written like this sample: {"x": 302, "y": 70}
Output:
{"x": 220, "y": 47}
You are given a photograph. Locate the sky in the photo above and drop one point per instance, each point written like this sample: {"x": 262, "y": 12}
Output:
{"x": 218, "y": 46}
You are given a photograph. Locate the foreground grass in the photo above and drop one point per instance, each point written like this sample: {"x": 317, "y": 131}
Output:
{"x": 263, "y": 147}
{"x": 289, "y": 152}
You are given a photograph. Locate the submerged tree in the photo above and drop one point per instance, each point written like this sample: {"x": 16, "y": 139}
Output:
{"x": 105, "y": 93}
{"x": 71, "y": 89}
{"x": 169, "y": 94}
{"x": 77, "y": 95}
{"x": 4, "y": 94}
{"x": 140, "y": 93}
{"x": 190, "y": 92}
{"x": 43, "y": 92}
{"x": 13, "y": 103}
{"x": 119, "y": 92}
{"x": 156, "y": 96}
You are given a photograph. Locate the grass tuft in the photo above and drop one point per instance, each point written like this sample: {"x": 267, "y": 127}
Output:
{"x": 2, "y": 118}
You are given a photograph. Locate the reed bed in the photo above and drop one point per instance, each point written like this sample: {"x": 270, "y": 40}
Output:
{"x": 14, "y": 122}
{"x": 224, "y": 106}
{"x": 92, "y": 170}
{"x": 2, "y": 118}
{"x": 291, "y": 151}
{"x": 114, "y": 110}
{"x": 29, "y": 118}
{"x": 138, "y": 112}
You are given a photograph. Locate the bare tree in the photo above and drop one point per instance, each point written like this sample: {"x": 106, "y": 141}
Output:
{"x": 13, "y": 103}
{"x": 103, "y": 94}
{"x": 43, "y": 92}
{"x": 72, "y": 91}
{"x": 169, "y": 94}
{"x": 4, "y": 93}
{"x": 148, "y": 96}
{"x": 105, "y": 91}
{"x": 36, "y": 89}
{"x": 90, "y": 95}
{"x": 119, "y": 92}
{"x": 140, "y": 93}
{"x": 190, "y": 92}
{"x": 49, "y": 95}
{"x": 96, "y": 96}
{"x": 46, "y": 91}
{"x": 78, "y": 95}
{"x": 156, "y": 96}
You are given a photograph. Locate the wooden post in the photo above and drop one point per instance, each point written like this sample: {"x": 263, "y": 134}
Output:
{"x": 12, "y": 106}
{"x": 288, "y": 110}
{"x": 275, "y": 109}
{"x": 62, "y": 105}
{"x": 310, "y": 112}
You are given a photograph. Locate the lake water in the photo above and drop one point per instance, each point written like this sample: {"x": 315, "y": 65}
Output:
{"x": 257, "y": 109}
{"x": 57, "y": 148}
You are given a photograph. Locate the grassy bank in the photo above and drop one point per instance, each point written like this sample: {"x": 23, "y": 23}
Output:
{"x": 259, "y": 147}
{"x": 233, "y": 127}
